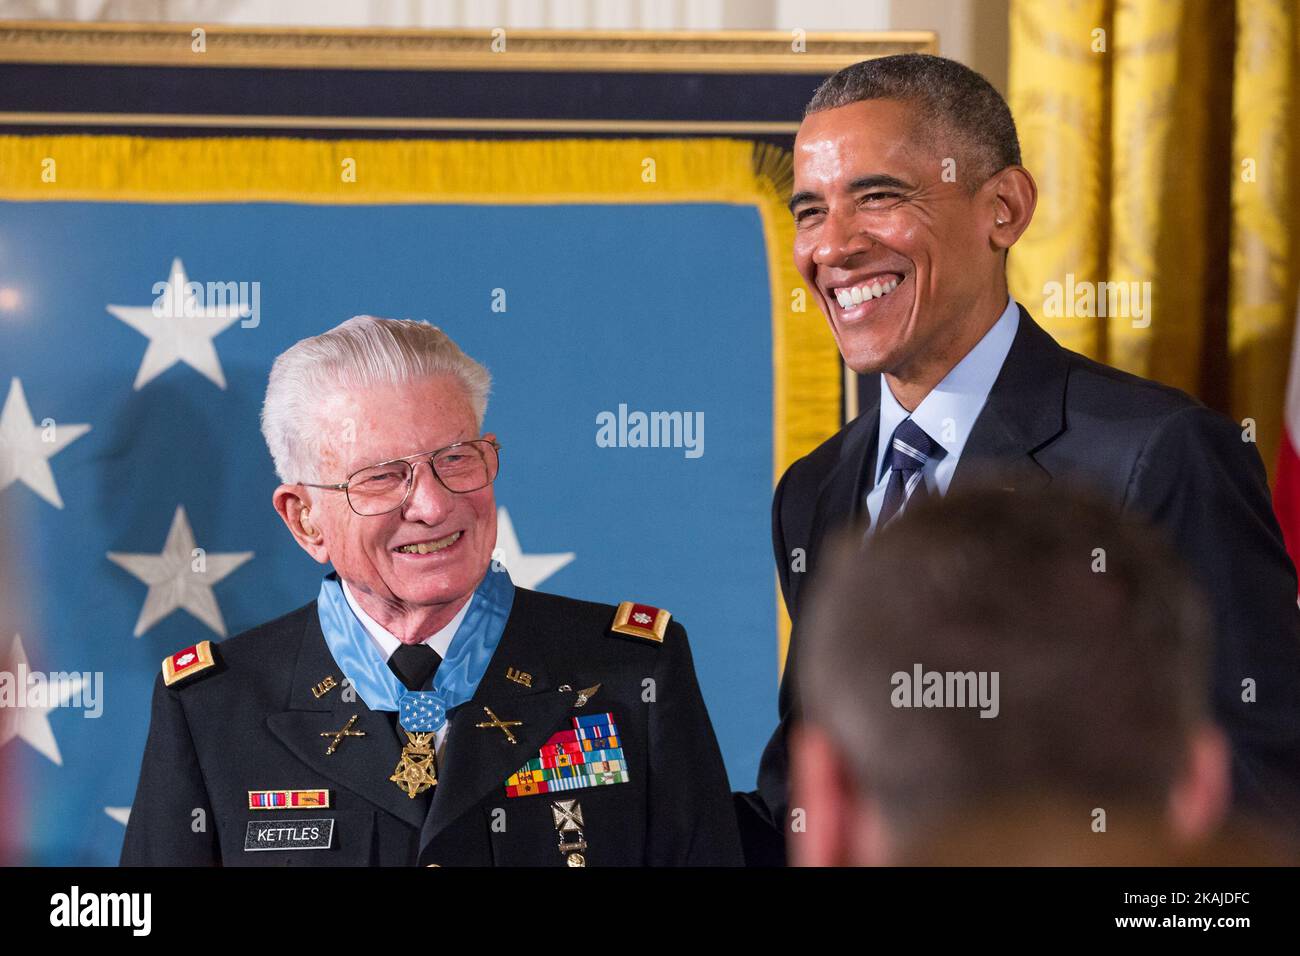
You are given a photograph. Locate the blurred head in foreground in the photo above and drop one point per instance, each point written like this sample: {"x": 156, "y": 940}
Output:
{"x": 1004, "y": 678}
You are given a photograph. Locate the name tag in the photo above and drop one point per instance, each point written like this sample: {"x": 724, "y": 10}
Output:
{"x": 315, "y": 834}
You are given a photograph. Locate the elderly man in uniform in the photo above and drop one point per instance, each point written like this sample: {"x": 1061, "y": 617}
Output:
{"x": 423, "y": 709}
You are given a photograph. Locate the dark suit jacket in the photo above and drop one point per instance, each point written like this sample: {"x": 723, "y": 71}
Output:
{"x": 1147, "y": 448}
{"x": 253, "y": 723}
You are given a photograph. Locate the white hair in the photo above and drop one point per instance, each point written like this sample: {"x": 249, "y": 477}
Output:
{"x": 362, "y": 352}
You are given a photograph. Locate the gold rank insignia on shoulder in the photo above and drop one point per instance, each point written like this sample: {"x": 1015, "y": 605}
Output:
{"x": 185, "y": 664}
{"x": 641, "y": 620}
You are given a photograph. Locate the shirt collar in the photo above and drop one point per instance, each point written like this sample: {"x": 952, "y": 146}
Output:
{"x": 387, "y": 643}
{"x": 947, "y": 414}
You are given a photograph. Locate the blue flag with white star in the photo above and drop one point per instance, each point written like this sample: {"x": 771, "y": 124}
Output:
{"x": 135, "y": 343}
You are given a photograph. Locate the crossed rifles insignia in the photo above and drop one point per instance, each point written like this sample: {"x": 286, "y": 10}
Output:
{"x": 338, "y": 735}
{"x": 505, "y": 725}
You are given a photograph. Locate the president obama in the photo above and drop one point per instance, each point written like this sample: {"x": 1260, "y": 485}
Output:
{"x": 908, "y": 194}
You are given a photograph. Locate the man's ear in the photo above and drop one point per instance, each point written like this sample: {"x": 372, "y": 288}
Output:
{"x": 1013, "y": 195}
{"x": 295, "y": 511}
{"x": 820, "y": 829}
{"x": 1199, "y": 800}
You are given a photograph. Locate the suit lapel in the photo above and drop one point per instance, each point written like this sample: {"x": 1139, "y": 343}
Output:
{"x": 359, "y": 764}
{"x": 839, "y": 502}
{"x": 1024, "y": 411}
{"x": 477, "y": 760}
{"x": 841, "y": 493}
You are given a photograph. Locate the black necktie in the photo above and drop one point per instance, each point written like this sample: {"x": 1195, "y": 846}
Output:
{"x": 413, "y": 664}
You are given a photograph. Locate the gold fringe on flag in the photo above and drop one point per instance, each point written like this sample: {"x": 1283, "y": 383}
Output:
{"x": 805, "y": 362}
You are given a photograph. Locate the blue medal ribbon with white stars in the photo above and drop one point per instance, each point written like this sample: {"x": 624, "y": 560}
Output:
{"x": 459, "y": 673}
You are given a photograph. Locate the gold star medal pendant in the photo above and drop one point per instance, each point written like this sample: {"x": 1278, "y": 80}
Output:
{"x": 421, "y": 714}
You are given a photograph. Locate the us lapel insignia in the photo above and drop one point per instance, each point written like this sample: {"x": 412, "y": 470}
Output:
{"x": 324, "y": 687}
{"x": 288, "y": 799}
{"x": 589, "y": 754}
{"x": 641, "y": 620}
{"x": 569, "y": 826}
{"x": 519, "y": 677}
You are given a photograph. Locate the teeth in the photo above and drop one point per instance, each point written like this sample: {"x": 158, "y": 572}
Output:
{"x": 430, "y": 546}
{"x": 864, "y": 293}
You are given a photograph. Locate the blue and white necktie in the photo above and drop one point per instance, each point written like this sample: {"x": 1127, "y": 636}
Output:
{"x": 909, "y": 450}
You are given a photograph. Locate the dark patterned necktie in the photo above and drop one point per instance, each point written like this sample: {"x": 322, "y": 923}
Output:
{"x": 413, "y": 664}
{"x": 909, "y": 450}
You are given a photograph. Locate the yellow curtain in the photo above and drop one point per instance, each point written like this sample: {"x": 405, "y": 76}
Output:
{"x": 1164, "y": 138}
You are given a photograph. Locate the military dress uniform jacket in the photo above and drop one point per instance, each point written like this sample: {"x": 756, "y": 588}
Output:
{"x": 252, "y": 721}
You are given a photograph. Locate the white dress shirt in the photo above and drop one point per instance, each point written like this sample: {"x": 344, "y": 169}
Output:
{"x": 948, "y": 413}
{"x": 387, "y": 643}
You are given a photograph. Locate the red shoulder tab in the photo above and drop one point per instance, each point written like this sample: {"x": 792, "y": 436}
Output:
{"x": 185, "y": 664}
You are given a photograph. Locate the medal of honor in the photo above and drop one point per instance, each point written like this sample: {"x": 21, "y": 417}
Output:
{"x": 420, "y": 713}
{"x": 416, "y": 772}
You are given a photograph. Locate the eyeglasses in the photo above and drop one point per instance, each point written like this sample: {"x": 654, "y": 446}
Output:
{"x": 460, "y": 467}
